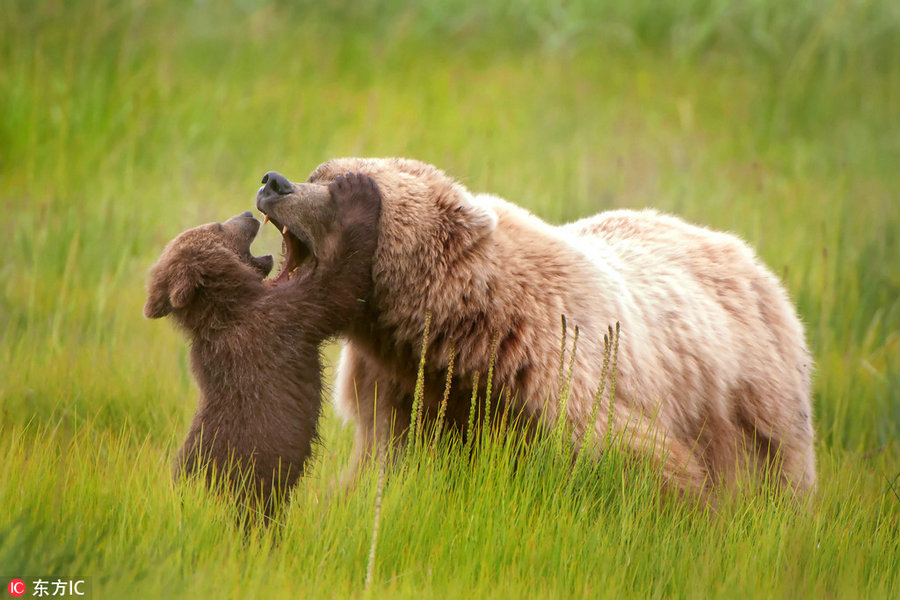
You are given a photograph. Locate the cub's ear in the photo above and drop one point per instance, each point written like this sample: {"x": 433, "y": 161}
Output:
{"x": 157, "y": 305}
{"x": 475, "y": 215}
{"x": 183, "y": 283}
{"x": 170, "y": 290}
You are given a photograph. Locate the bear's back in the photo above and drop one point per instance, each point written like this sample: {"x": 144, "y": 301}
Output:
{"x": 708, "y": 314}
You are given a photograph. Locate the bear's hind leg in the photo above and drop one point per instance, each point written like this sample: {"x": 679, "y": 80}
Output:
{"x": 779, "y": 437}
{"x": 680, "y": 466}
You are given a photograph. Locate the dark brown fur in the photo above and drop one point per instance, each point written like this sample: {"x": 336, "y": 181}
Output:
{"x": 255, "y": 347}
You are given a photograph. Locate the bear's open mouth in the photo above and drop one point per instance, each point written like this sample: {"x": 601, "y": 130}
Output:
{"x": 295, "y": 254}
{"x": 262, "y": 264}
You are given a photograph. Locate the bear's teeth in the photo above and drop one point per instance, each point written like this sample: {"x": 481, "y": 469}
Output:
{"x": 266, "y": 220}
{"x": 284, "y": 231}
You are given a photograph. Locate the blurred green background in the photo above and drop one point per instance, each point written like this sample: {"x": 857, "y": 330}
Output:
{"x": 123, "y": 123}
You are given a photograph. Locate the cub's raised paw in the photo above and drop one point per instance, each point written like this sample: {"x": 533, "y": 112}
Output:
{"x": 357, "y": 198}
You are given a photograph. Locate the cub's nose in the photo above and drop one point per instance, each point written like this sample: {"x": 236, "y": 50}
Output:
{"x": 242, "y": 220}
{"x": 276, "y": 183}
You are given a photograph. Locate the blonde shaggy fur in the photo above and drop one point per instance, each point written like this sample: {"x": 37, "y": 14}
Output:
{"x": 713, "y": 371}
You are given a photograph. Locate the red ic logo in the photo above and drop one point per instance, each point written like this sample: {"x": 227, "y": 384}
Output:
{"x": 16, "y": 587}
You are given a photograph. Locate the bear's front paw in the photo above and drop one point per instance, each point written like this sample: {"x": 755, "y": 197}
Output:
{"x": 357, "y": 197}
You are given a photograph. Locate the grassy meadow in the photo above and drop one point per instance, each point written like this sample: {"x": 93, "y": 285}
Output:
{"x": 123, "y": 123}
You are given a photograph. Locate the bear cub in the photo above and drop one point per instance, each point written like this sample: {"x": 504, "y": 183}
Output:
{"x": 255, "y": 342}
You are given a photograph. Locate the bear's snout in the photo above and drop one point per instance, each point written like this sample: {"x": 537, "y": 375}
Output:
{"x": 274, "y": 185}
{"x": 245, "y": 223}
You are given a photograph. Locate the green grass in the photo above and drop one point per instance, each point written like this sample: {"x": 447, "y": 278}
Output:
{"x": 123, "y": 123}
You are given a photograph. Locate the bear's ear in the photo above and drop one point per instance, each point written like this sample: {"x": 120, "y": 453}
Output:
{"x": 182, "y": 285}
{"x": 157, "y": 305}
{"x": 172, "y": 290}
{"x": 476, "y": 215}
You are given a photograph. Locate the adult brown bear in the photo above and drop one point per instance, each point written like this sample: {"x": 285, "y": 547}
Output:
{"x": 713, "y": 372}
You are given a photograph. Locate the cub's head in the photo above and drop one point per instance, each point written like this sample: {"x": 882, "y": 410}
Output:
{"x": 209, "y": 263}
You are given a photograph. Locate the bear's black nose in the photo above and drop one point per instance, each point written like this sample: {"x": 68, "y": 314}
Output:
{"x": 276, "y": 183}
